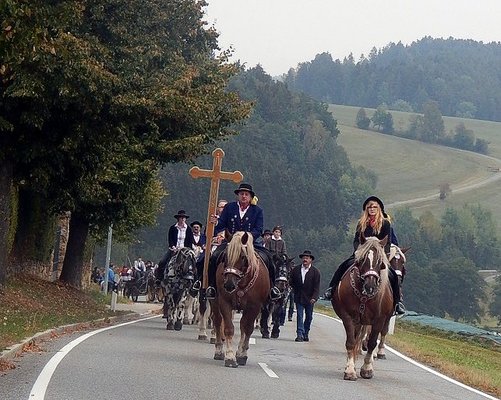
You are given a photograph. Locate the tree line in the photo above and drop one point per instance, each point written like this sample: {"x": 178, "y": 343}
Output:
{"x": 462, "y": 76}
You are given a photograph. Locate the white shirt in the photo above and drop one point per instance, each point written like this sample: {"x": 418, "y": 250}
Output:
{"x": 304, "y": 270}
{"x": 181, "y": 235}
{"x": 242, "y": 212}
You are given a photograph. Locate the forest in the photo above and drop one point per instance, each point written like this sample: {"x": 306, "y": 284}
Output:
{"x": 462, "y": 76}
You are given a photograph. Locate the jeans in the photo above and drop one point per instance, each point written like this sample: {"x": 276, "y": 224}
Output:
{"x": 303, "y": 328}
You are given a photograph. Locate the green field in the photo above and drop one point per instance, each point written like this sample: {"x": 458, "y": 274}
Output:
{"x": 409, "y": 169}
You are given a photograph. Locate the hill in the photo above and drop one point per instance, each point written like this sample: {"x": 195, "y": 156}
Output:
{"x": 415, "y": 169}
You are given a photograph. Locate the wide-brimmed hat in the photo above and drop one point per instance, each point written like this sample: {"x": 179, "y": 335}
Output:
{"x": 307, "y": 253}
{"x": 376, "y": 199}
{"x": 181, "y": 213}
{"x": 196, "y": 223}
{"x": 245, "y": 187}
{"x": 266, "y": 232}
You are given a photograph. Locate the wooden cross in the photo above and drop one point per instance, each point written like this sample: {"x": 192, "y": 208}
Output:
{"x": 216, "y": 175}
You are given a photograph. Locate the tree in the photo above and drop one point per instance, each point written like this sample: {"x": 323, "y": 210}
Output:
{"x": 433, "y": 123}
{"x": 495, "y": 306}
{"x": 152, "y": 93}
{"x": 362, "y": 120}
{"x": 383, "y": 120}
{"x": 464, "y": 138}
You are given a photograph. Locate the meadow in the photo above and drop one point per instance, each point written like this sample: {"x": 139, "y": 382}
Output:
{"x": 409, "y": 169}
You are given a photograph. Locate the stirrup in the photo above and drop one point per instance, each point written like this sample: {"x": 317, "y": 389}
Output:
{"x": 328, "y": 294}
{"x": 275, "y": 293}
{"x": 400, "y": 308}
{"x": 210, "y": 293}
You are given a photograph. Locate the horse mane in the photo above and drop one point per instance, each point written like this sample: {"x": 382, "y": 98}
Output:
{"x": 235, "y": 248}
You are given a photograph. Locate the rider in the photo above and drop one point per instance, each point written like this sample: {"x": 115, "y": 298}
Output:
{"x": 180, "y": 235}
{"x": 276, "y": 244}
{"x": 139, "y": 267}
{"x": 373, "y": 222}
{"x": 241, "y": 215}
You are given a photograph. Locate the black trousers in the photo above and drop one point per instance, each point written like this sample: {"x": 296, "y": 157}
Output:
{"x": 264, "y": 253}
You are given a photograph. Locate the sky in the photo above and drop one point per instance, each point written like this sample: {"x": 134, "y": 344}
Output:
{"x": 279, "y": 34}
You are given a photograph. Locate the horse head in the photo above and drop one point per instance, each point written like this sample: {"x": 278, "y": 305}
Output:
{"x": 371, "y": 261}
{"x": 282, "y": 271}
{"x": 240, "y": 260}
{"x": 183, "y": 262}
{"x": 398, "y": 259}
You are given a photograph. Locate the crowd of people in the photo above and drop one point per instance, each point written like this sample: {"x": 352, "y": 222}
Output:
{"x": 244, "y": 214}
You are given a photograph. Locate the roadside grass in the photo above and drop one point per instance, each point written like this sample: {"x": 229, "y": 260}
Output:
{"x": 408, "y": 169}
{"x": 31, "y": 305}
{"x": 474, "y": 362}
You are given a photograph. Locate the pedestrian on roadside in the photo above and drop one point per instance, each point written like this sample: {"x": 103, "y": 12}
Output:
{"x": 305, "y": 281}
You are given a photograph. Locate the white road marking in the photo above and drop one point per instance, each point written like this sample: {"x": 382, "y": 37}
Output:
{"x": 453, "y": 381}
{"x": 268, "y": 371}
{"x": 40, "y": 387}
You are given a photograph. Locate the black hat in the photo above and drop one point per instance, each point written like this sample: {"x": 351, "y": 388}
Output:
{"x": 245, "y": 187}
{"x": 279, "y": 228}
{"x": 376, "y": 199}
{"x": 196, "y": 223}
{"x": 306, "y": 253}
{"x": 266, "y": 232}
{"x": 181, "y": 213}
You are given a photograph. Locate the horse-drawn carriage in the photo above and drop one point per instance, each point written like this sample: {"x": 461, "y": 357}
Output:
{"x": 137, "y": 284}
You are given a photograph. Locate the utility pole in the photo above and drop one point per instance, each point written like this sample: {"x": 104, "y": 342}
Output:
{"x": 108, "y": 257}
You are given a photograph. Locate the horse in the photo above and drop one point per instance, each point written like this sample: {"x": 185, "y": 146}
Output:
{"x": 275, "y": 309}
{"x": 176, "y": 288}
{"x": 397, "y": 261}
{"x": 364, "y": 297}
{"x": 243, "y": 283}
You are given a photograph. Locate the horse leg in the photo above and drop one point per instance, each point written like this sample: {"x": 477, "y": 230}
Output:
{"x": 380, "y": 348}
{"x": 367, "y": 370}
{"x": 265, "y": 330}
{"x": 349, "y": 372}
{"x": 246, "y": 329}
{"x": 169, "y": 312}
{"x": 218, "y": 328}
{"x": 203, "y": 311}
{"x": 276, "y": 316}
{"x": 188, "y": 315}
{"x": 179, "y": 311}
{"x": 229, "y": 331}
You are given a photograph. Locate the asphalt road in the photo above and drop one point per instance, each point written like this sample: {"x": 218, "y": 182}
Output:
{"x": 142, "y": 360}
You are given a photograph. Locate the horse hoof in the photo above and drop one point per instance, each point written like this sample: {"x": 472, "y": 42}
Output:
{"x": 381, "y": 356}
{"x": 242, "y": 360}
{"x": 218, "y": 356}
{"x": 178, "y": 326}
{"x": 366, "y": 374}
{"x": 202, "y": 337}
{"x": 229, "y": 362}
{"x": 212, "y": 340}
{"x": 170, "y": 326}
{"x": 350, "y": 377}
{"x": 274, "y": 335}
{"x": 265, "y": 335}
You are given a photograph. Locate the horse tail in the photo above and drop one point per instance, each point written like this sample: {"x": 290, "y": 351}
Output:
{"x": 361, "y": 336}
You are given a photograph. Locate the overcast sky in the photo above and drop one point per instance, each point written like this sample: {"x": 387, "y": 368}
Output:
{"x": 279, "y": 34}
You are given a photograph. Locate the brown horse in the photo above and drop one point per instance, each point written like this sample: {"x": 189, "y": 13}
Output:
{"x": 397, "y": 261}
{"x": 363, "y": 297}
{"x": 243, "y": 284}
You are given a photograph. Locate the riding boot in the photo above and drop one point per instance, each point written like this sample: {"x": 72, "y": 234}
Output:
{"x": 399, "y": 306}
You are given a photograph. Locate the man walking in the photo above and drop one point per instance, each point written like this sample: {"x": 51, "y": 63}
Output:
{"x": 305, "y": 281}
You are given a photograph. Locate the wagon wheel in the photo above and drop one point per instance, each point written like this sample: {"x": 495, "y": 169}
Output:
{"x": 150, "y": 293}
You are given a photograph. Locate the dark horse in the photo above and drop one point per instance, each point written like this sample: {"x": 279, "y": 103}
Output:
{"x": 362, "y": 298}
{"x": 176, "y": 287}
{"x": 397, "y": 261}
{"x": 243, "y": 283}
{"x": 275, "y": 308}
